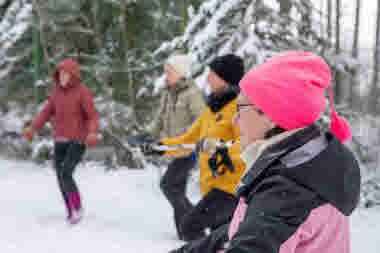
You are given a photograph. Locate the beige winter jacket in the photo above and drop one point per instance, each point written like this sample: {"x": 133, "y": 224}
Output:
{"x": 180, "y": 106}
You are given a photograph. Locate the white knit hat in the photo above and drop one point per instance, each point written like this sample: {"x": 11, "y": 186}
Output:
{"x": 181, "y": 63}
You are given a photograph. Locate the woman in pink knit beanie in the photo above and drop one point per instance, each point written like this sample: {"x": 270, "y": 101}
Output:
{"x": 300, "y": 184}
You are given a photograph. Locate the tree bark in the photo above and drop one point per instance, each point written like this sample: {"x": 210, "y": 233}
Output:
{"x": 338, "y": 75}
{"x": 354, "y": 96}
{"x": 306, "y": 19}
{"x": 285, "y": 7}
{"x": 128, "y": 20}
{"x": 373, "y": 99}
{"x": 42, "y": 22}
{"x": 185, "y": 14}
{"x": 329, "y": 22}
{"x": 98, "y": 36}
{"x": 322, "y": 2}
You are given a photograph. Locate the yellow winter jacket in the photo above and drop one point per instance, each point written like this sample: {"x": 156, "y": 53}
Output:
{"x": 216, "y": 125}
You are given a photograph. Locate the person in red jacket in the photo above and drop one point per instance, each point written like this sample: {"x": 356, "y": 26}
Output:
{"x": 75, "y": 128}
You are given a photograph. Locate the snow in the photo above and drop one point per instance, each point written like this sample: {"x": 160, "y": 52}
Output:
{"x": 13, "y": 120}
{"x": 365, "y": 229}
{"x": 212, "y": 28}
{"x": 124, "y": 212}
{"x": 118, "y": 208}
{"x": 159, "y": 83}
{"x": 367, "y": 29}
{"x": 13, "y": 28}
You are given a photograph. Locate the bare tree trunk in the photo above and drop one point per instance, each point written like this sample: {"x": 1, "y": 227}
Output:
{"x": 185, "y": 18}
{"x": 338, "y": 75}
{"x": 322, "y": 25}
{"x": 185, "y": 14}
{"x": 42, "y": 21}
{"x": 285, "y": 7}
{"x": 257, "y": 5}
{"x": 127, "y": 23}
{"x": 127, "y": 19}
{"x": 306, "y": 19}
{"x": 373, "y": 99}
{"x": 98, "y": 36}
{"x": 329, "y": 22}
{"x": 131, "y": 75}
{"x": 354, "y": 96}
{"x": 322, "y": 2}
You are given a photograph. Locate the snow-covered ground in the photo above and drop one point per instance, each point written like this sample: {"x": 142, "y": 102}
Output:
{"x": 125, "y": 212}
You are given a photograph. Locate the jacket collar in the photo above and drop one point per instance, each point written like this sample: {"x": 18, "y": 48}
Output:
{"x": 260, "y": 155}
{"x": 180, "y": 86}
{"x": 254, "y": 150}
{"x": 216, "y": 101}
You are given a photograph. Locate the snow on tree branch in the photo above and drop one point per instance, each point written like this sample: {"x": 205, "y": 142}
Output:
{"x": 14, "y": 24}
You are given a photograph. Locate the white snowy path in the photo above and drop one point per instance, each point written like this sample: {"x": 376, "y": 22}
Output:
{"x": 125, "y": 212}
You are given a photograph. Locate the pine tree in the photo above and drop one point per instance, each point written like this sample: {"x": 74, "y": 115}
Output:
{"x": 252, "y": 29}
{"x": 15, "y": 50}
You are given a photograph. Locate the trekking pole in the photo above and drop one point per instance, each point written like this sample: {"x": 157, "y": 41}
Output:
{"x": 205, "y": 145}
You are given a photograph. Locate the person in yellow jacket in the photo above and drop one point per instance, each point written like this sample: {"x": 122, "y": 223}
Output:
{"x": 218, "y": 200}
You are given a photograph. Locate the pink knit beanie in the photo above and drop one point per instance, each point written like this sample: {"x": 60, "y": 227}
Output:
{"x": 289, "y": 89}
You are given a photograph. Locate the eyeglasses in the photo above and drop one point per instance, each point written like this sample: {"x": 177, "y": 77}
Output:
{"x": 240, "y": 106}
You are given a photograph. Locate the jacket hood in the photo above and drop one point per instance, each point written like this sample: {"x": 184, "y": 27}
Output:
{"x": 68, "y": 65}
{"x": 318, "y": 162}
{"x": 334, "y": 173}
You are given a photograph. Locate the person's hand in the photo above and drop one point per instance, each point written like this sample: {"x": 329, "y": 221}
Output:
{"x": 28, "y": 133}
{"x": 140, "y": 139}
{"x": 179, "y": 250}
{"x": 91, "y": 140}
{"x": 210, "y": 145}
{"x": 176, "y": 251}
{"x": 148, "y": 148}
{"x": 206, "y": 145}
{"x": 218, "y": 159}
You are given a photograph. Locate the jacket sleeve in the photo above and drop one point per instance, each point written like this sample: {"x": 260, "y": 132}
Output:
{"x": 208, "y": 244}
{"x": 276, "y": 211}
{"x": 46, "y": 113}
{"x": 157, "y": 125}
{"x": 196, "y": 103}
{"x": 191, "y": 136}
{"x": 90, "y": 111}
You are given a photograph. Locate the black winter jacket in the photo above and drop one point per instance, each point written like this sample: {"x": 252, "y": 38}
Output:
{"x": 287, "y": 181}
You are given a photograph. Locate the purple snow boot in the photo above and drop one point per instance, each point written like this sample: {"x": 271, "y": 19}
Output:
{"x": 76, "y": 207}
{"x": 69, "y": 210}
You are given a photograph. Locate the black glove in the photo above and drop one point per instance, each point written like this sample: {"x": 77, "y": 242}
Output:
{"x": 148, "y": 149}
{"x": 175, "y": 251}
{"x": 140, "y": 139}
{"x": 219, "y": 158}
{"x": 179, "y": 250}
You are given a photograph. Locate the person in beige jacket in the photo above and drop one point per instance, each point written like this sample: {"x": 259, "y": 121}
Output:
{"x": 181, "y": 105}
{"x": 182, "y": 101}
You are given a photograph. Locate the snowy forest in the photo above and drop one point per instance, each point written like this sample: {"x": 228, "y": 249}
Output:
{"x": 121, "y": 46}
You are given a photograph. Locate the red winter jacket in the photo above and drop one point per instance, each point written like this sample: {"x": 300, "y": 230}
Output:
{"x": 75, "y": 115}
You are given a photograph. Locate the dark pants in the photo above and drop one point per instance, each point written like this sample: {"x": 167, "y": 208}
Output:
{"x": 67, "y": 155}
{"x": 173, "y": 185}
{"x": 214, "y": 210}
